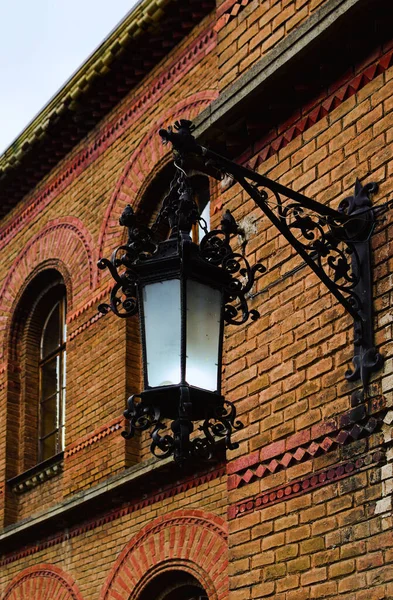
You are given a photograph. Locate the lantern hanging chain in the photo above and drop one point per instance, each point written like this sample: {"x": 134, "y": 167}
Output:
{"x": 174, "y": 185}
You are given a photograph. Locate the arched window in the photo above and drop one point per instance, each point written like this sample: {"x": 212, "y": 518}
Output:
{"x": 37, "y": 374}
{"x": 52, "y": 378}
{"x": 174, "y": 585}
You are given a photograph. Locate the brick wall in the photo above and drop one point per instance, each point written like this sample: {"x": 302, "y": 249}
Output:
{"x": 73, "y": 230}
{"x": 248, "y": 30}
{"x": 102, "y": 539}
{"x": 304, "y": 504}
{"x": 310, "y": 509}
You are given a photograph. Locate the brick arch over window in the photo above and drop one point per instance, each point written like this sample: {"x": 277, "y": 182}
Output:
{"x": 145, "y": 160}
{"x": 64, "y": 244}
{"x": 188, "y": 540}
{"x": 42, "y": 581}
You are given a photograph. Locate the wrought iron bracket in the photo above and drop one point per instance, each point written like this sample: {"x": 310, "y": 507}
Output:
{"x": 335, "y": 244}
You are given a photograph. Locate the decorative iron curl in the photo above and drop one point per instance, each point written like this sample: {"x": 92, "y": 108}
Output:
{"x": 324, "y": 239}
{"x": 140, "y": 416}
{"x": 215, "y": 248}
{"x": 222, "y": 424}
{"x": 323, "y": 243}
{"x": 139, "y": 247}
{"x": 123, "y": 296}
{"x": 162, "y": 446}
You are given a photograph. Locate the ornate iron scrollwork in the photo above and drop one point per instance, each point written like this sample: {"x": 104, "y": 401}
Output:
{"x": 139, "y": 246}
{"x": 220, "y": 423}
{"x": 215, "y": 248}
{"x": 335, "y": 244}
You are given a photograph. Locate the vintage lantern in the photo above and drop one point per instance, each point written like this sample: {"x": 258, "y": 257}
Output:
{"x": 183, "y": 294}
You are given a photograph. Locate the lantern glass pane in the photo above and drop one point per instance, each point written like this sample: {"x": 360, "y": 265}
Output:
{"x": 203, "y": 335}
{"x": 162, "y": 311}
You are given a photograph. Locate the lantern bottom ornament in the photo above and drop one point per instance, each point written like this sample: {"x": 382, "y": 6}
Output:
{"x": 217, "y": 421}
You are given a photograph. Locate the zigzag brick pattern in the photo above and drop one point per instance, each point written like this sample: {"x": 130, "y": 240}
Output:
{"x": 302, "y": 486}
{"x": 94, "y": 437}
{"x": 296, "y": 126}
{"x": 280, "y": 455}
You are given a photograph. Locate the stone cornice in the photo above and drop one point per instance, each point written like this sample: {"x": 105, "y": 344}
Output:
{"x": 277, "y": 61}
{"x": 145, "y": 15}
{"x": 124, "y": 60}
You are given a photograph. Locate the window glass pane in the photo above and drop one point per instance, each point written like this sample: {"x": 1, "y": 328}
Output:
{"x": 50, "y": 378}
{"x": 206, "y": 216}
{"x": 64, "y": 369}
{"x": 203, "y": 335}
{"x": 49, "y": 446}
{"x": 51, "y": 334}
{"x": 162, "y": 330}
{"x": 49, "y": 421}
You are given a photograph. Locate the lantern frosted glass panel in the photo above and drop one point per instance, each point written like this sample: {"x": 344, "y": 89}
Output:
{"x": 203, "y": 335}
{"x": 162, "y": 313}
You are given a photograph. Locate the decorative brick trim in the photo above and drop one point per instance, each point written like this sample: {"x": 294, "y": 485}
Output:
{"x": 168, "y": 491}
{"x": 94, "y": 437}
{"x": 343, "y": 89}
{"x": 42, "y": 581}
{"x": 65, "y": 239}
{"x": 97, "y": 298}
{"x": 37, "y": 475}
{"x": 198, "y": 546}
{"x": 150, "y": 152}
{"x": 63, "y": 243}
{"x": 85, "y": 325}
{"x": 228, "y": 11}
{"x": 109, "y": 133}
{"x": 303, "y": 486}
{"x": 307, "y": 444}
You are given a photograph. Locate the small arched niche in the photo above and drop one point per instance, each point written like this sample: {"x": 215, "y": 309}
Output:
{"x": 174, "y": 585}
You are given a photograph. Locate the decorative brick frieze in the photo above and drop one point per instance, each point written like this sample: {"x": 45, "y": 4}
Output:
{"x": 320, "y": 439}
{"x": 302, "y": 486}
{"x": 165, "y": 492}
{"x": 85, "y": 325}
{"x": 92, "y": 302}
{"x": 37, "y": 475}
{"x": 111, "y": 131}
{"x": 310, "y": 115}
{"x": 228, "y": 11}
{"x": 42, "y": 581}
{"x": 94, "y": 437}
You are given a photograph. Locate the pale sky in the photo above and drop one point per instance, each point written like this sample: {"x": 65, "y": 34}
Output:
{"x": 42, "y": 43}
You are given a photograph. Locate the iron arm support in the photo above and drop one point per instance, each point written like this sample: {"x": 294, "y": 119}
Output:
{"x": 334, "y": 243}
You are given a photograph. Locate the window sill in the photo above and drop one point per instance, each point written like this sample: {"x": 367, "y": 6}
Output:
{"x": 37, "y": 475}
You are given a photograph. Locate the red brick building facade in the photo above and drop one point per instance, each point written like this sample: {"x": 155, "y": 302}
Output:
{"x": 300, "y": 91}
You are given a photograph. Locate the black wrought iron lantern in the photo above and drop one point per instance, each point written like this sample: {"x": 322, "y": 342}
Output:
{"x": 183, "y": 292}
